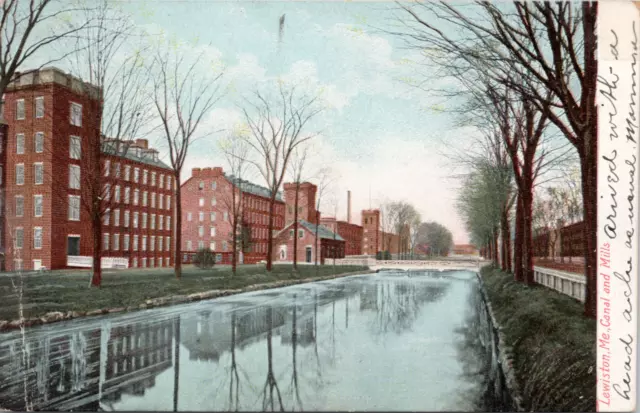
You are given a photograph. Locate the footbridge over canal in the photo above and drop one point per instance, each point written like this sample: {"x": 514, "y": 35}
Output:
{"x": 414, "y": 265}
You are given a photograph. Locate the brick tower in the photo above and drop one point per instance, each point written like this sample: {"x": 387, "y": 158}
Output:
{"x": 370, "y": 231}
{"x": 306, "y": 202}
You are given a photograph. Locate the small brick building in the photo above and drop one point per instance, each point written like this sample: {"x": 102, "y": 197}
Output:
{"x": 331, "y": 245}
{"x": 351, "y": 233}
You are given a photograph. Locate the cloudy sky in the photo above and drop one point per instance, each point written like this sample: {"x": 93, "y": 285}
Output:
{"x": 378, "y": 134}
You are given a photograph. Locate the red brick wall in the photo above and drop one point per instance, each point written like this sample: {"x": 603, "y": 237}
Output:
{"x": 371, "y": 241}
{"x": 306, "y": 202}
{"x": 351, "y": 233}
{"x": 327, "y": 246}
{"x": 254, "y": 212}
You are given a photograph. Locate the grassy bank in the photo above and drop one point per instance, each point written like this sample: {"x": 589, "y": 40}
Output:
{"x": 554, "y": 345}
{"x": 69, "y": 291}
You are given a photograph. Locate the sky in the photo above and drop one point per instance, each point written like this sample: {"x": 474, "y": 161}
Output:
{"x": 377, "y": 133}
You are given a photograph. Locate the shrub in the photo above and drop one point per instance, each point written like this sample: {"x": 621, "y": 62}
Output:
{"x": 204, "y": 259}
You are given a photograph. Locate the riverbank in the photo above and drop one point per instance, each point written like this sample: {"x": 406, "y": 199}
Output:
{"x": 553, "y": 346}
{"x": 63, "y": 296}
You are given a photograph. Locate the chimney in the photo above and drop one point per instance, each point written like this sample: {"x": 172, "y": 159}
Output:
{"x": 349, "y": 207}
{"x": 142, "y": 143}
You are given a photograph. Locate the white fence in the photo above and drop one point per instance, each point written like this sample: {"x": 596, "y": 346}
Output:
{"x": 567, "y": 283}
{"x": 373, "y": 263}
{"x": 84, "y": 261}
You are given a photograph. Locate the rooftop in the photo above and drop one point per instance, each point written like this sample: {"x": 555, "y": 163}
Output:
{"x": 252, "y": 188}
{"x": 134, "y": 150}
{"x": 323, "y": 232}
{"x": 52, "y": 74}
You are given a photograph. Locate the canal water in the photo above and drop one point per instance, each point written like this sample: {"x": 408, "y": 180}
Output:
{"x": 389, "y": 341}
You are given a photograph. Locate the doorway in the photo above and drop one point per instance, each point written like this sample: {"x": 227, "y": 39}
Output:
{"x": 73, "y": 245}
{"x": 308, "y": 254}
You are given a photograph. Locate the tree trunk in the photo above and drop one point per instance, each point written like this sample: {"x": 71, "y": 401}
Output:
{"x": 295, "y": 229}
{"x": 517, "y": 251}
{"x": 506, "y": 240}
{"x": 527, "y": 238}
{"x": 590, "y": 228}
{"x": 96, "y": 227}
{"x": 234, "y": 232}
{"x": 495, "y": 247}
{"x": 272, "y": 202}
{"x": 178, "y": 226}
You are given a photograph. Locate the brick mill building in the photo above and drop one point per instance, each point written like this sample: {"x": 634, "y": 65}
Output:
{"x": 374, "y": 239}
{"x": 207, "y": 208}
{"x": 351, "y": 233}
{"x": 50, "y": 127}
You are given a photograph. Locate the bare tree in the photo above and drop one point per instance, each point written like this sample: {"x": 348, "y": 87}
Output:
{"x": 324, "y": 181}
{"x": 277, "y": 127}
{"x": 387, "y": 224}
{"x": 236, "y": 152}
{"x": 115, "y": 79}
{"x": 533, "y": 44}
{"x": 182, "y": 98}
{"x": 297, "y": 165}
{"x": 414, "y": 226}
{"x": 26, "y": 27}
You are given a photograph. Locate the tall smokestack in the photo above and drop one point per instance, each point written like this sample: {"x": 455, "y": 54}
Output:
{"x": 349, "y": 207}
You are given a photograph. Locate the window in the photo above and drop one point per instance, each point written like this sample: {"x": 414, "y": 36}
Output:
{"x": 107, "y": 167}
{"x": 200, "y": 216}
{"x": 135, "y": 220}
{"x": 19, "y": 205}
{"x": 212, "y": 216}
{"x": 74, "y": 176}
{"x": 224, "y": 245}
{"x": 167, "y": 243}
{"x": 20, "y": 174}
{"x": 201, "y": 185}
{"x": 37, "y": 205}
{"x": 169, "y": 183}
{"x": 76, "y": 114}
{"x": 153, "y": 221}
{"x": 116, "y": 193}
{"x": 159, "y": 243}
{"x": 201, "y": 202}
{"x": 152, "y": 262}
{"x": 300, "y": 233}
{"x": 212, "y": 245}
{"x": 135, "y": 262}
{"x": 136, "y": 175}
{"x": 152, "y": 243}
{"x": 200, "y": 245}
{"x": 20, "y": 109}
{"x": 212, "y": 231}
{"x": 19, "y": 237}
{"x": 145, "y": 177}
{"x": 38, "y": 173}
{"x": 20, "y": 143}
{"x": 225, "y": 216}
{"x": 168, "y": 202}
{"x": 135, "y": 243}
{"x": 153, "y": 179}
{"x": 144, "y": 220}
{"x": 161, "y": 181}
{"x": 144, "y": 243}
{"x": 125, "y": 242}
{"x": 189, "y": 216}
{"x": 116, "y": 170}
{"x": 107, "y": 192}
{"x": 145, "y": 196}
{"x": 291, "y": 232}
{"x": 214, "y": 185}
{"x": 201, "y": 231}
{"x": 105, "y": 242}
{"x": 189, "y": 246}
{"x": 213, "y": 202}
{"x": 160, "y": 222}
{"x": 74, "y": 208}
{"x": 127, "y": 194}
{"x": 168, "y": 222}
{"x": 127, "y": 172}
{"x": 74, "y": 147}
{"x": 144, "y": 263}
{"x": 167, "y": 263}
{"x": 106, "y": 217}
{"x": 116, "y": 242}
{"x": 38, "y": 142}
{"x": 39, "y": 107}
{"x": 136, "y": 196}
{"x": 116, "y": 217}
{"x": 160, "y": 201}
{"x": 126, "y": 219}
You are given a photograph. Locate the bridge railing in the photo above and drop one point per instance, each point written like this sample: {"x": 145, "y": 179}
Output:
{"x": 372, "y": 262}
{"x": 567, "y": 283}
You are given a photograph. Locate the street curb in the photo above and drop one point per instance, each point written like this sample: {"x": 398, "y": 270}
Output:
{"x": 57, "y": 316}
{"x": 505, "y": 353}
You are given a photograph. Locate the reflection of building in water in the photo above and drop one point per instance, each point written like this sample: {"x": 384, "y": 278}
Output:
{"x": 63, "y": 371}
{"x": 305, "y": 334}
{"x": 369, "y": 297}
{"x": 206, "y": 334}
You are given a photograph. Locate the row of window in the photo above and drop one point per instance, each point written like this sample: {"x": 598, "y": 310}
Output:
{"x": 114, "y": 170}
{"x": 19, "y": 202}
{"x": 38, "y": 173}
{"x": 212, "y": 245}
{"x": 212, "y": 216}
{"x": 109, "y": 216}
{"x": 75, "y": 110}
{"x": 18, "y": 239}
{"x": 152, "y": 261}
{"x": 164, "y": 202}
{"x": 152, "y": 242}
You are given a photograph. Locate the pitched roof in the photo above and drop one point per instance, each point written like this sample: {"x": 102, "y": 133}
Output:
{"x": 129, "y": 154}
{"x": 323, "y": 232}
{"x": 252, "y": 188}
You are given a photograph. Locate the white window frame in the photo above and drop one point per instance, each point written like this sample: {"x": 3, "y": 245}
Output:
{"x": 73, "y": 214}
{"x": 20, "y": 167}
{"x": 21, "y": 244}
{"x": 144, "y": 243}
{"x": 38, "y": 142}
{"x": 116, "y": 194}
{"x": 135, "y": 219}
{"x": 20, "y": 144}
{"x": 105, "y": 241}
{"x": 39, "y": 107}
{"x": 167, "y": 243}
{"x": 127, "y": 172}
{"x": 73, "y": 139}
{"x": 168, "y": 223}
{"x": 126, "y": 218}
{"x": 136, "y": 175}
{"x": 125, "y": 242}
{"x": 144, "y": 220}
{"x": 116, "y": 242}
{"x": 127, "y": 195}
{"x": 35, "y": 173}
{"x": 116, "y": 217}
{"x": 35, "y": 203}
{"x": 20, "y": 108}
{"x": 78, "y": 111}
{"x": 212, "y": 231}
{"x": 145, "y": 177}
{"x": 134, "y": 245}
{"x": 73, "y": 168}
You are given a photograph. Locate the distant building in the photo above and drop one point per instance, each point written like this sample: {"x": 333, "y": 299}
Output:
{"x": 207, "y": 210}
{"x": 374, "y": 239}
{"x": 47, "y": 146}
{"x": 351, "y": 233}
{"x": 464, "y": 249}
{"x": 330, "y": 244}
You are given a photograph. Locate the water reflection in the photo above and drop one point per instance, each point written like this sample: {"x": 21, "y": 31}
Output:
{"x": 292, "y": 349}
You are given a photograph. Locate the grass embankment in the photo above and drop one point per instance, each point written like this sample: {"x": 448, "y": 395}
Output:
{"x": 554, "y": 345}
{"x": 69, "y": 291}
